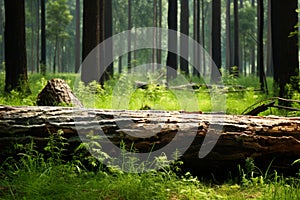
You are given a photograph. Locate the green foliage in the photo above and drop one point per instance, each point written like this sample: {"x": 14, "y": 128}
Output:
{"x": 58, "y": 18}
{"x": 122, "y": 93}
{"x": 34, "y": 175}
{"x": 247, "y": 27}
{"x": 295, "y": 32}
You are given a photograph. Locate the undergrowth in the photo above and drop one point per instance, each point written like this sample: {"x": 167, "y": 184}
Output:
{"x": 45, "y": 174}
{"x": 123, "y": 93}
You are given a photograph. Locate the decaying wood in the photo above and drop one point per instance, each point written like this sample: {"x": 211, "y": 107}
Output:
{"x": 240, "y": 137}
{"x": 57, "y": 92}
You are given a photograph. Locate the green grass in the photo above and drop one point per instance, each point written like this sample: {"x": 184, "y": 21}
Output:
{"x": 36, "y": 176}
{"x": 123, "y": 94}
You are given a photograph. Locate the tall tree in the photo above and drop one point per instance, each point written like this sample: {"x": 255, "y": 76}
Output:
{"x": 108, "y": 31}
{"x": 236, "y": 48}
{"x": 154, "y": 54}
{"x": 32, "y": 46}
{"x": 91, "y": 38}
{"x": 159, "y": 33}
{"x": 43, "y": 37}
{"x": 196, "y": 37}
{"x": 260, "y": 44}
{"x": 77, "y": 36}
{"x": 285, "y": 48}
{"x": 1, "y": 34}
{"x": 216, "y": 39}
{"x": 228, "y": 37}
{"x": 184, "y": 42}
{"x": 270, "y": 67}
{"x": 38, "y": 37}
{"x": 129, "y": 36}
{"x": 172, "y": 64}
{"x": 202, "y": 61}
{"x": 15, "y": 47}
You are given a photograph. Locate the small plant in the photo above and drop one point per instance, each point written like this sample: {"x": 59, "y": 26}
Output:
{"x": 56, "y": 146}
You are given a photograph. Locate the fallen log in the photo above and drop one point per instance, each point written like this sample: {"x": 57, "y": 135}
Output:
{"x": 237, "y": 137}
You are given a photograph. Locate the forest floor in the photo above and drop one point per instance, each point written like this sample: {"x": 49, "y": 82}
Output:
{"x": 33, "y": 176}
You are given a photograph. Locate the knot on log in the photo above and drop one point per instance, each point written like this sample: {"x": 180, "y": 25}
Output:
{"x": 57, "y": 92}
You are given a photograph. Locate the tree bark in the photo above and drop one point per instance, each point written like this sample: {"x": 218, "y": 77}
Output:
{"x": 129, "y": 27}
{"x": 270, "y": 68}
{"x": 108, "y": 32}
{"x": 38, "y": 36}
{"x": 172, "y": 64}
{"x": 184, "y": 43}
{"x": 77, "y": 37}
{"x": 154, "y": 40}
{"x": 15, "y": 47}
{"x": 43, "y": 38}
{"x": 196, "y": 36}
{"x": 159, "y": 51}
{"x": 260, "y": 45}
{"x": 216, "y": 40}
{"x": 228, "y": 37}
{"x": 57, "y": 92}
{"x": 238, "y": 137}
{"x": 1, "y": 34}
{"x": 284, "y": 48}
{"x": 90, "y": 39}
{"x": 236, "y": 49}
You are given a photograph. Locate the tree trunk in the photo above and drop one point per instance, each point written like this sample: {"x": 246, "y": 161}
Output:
{"x": 270, "y": 67}
{"x": 108, "y": 31}
{"x": 1, "y": 33}
{"x": 260, "y": 45}
{"x": 154, "y": 40}
{"x": 91, "y": 38}
{"x": 15, "y": 47}
{"x": 129, "y": 37}
{"x": 38, "y": 36}
{"x": 184, "y": 42}
{"x": 235, "y": 137}
{"x": 236, "y": 60}
{"x": 202, "y": 57}
{"x": 159, "y": 51}
{"x": 172, "y": 64}
{"x": 55, "y": 55}
{"x": 43, "y": 38}
{"x": 77, "y": 37}
{"x": 196, "y": 51}
{"x": 32, "y": 56}
{"x": 285, "y": 48}
{"x": 216, "y": 40}
{"x": 228, "y": 37}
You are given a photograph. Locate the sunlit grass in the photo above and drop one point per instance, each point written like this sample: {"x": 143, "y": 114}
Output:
{"x": 122, "y": 93}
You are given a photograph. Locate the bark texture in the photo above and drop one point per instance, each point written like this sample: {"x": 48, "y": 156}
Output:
{"x": 15, "y": 47}
{"x": 57, "y": 92}
{"x": 238, "y": 137}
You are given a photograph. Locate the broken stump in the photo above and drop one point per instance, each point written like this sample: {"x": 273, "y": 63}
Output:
{"x": 57, "y": 92}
